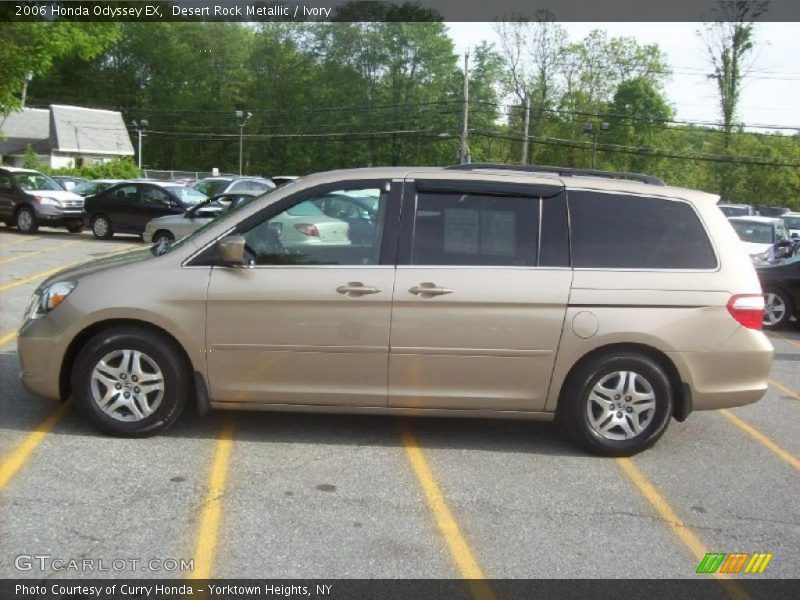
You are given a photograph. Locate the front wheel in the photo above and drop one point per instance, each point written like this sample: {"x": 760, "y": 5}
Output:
{"x": 778, "y": 309}
{"x": 75, "y": 227}
{"x": 101, "y": 228}
{"x": 26, "y": 221}
{"x": 163, "y": 237}
{"x": 131, "y": 381}
{"x": 617, "y": 404}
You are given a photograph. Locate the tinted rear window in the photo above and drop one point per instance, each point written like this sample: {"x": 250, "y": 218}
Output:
{"x": 620, "y": 231}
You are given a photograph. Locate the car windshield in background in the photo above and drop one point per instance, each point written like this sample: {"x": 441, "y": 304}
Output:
{"x": 792, "y": 222}
{"x": 212, "y": 187}
{"x": 188, "y": 196}
{"x": 735, "y": 211}
{"x": 89, "y": 188}
{"x": 757, "y": 233}
{"x": 35, "y": 181}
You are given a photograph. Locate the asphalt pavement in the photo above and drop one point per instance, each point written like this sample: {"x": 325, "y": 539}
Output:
{"x": 318, "y": 496}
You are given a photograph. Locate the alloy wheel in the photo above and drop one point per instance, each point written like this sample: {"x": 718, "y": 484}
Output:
{"x": 127, "y": 385}
{"x": 621, "y": 405}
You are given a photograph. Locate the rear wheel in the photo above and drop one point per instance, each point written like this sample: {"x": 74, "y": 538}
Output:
{"x": 163, "y": 237}
{"x": 778, "y": 309}
{"x": 26, "y": 220}
{"x": 101, "y": 228}
{"x": 617, "y": 404}
{"x": 131, "y": 381}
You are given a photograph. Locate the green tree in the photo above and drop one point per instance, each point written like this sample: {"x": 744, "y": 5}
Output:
{"x": 28, "y": 50}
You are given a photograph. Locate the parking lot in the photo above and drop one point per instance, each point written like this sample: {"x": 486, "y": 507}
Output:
{"x": 313, "y": 496}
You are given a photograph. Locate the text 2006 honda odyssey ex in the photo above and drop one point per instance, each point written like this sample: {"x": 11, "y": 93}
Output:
{"x": 610, "y": 302}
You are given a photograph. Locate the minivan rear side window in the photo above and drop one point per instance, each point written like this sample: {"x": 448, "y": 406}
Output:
{"x": 475, "y": 230}
{"x": 618, "y": 231}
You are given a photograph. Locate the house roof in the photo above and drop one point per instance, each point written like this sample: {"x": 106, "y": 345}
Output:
{"x": 65, "y": 129}
{"x": 21, "y": 128}
{"x": 89, "y": 130}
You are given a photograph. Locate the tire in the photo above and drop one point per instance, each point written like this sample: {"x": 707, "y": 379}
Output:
{"x": 162, "y": 368}
{"x": 608, "y": 425}
{"x": 26, "y": 220}
{"x": 163, "y": 236}
{"x": 778, "y": 310}
{"x": 76, "y": 228}
{"x": 101, "y": 228}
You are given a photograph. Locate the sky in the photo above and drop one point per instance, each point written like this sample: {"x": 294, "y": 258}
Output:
{"x": 771, "y": 96}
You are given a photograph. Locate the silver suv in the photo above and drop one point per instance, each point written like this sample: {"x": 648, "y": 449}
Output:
{"x": 609, "y": 302}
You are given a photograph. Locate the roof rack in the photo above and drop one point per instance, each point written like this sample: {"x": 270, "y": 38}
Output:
{"x": 561, "y": 171}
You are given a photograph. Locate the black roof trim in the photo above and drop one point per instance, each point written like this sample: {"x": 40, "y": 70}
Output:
{"x": 560, "y": 171}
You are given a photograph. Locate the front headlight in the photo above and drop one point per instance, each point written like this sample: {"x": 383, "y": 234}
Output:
{"x": 47, "y": 201}
{"x": 48, "y": 298}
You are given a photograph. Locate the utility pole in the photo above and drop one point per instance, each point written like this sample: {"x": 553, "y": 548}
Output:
{"x": 527, "y": 126}
{"x": 140, "y": 128}
{"x": 242, "y": 118}
{"x": 464, "y": 152}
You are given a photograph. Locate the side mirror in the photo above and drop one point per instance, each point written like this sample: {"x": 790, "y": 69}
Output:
{"x": 231, "y": 250}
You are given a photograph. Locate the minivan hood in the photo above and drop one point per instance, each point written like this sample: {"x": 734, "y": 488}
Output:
{"x": 57, "y": 194}
{"x": 90, "y": 267}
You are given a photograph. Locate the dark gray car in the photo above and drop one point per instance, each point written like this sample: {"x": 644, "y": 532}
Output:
{"x": 29, "y": 199}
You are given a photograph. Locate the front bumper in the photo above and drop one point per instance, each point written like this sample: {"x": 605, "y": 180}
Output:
{"x": 40, "y": 357}
{"x": 58, "y": 217}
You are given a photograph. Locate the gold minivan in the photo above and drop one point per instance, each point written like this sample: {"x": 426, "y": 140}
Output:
{"x": 609, "y": 302}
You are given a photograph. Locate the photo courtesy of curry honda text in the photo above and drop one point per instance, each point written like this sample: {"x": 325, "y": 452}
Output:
{"x": 608, "y": 302}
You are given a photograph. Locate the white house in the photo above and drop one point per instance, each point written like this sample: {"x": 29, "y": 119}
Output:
{"x": 64, "y": 136}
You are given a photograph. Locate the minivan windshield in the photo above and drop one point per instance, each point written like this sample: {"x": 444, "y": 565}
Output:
{"x": 31, "y": 180}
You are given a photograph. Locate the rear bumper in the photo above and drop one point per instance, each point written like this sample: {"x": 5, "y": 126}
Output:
{"x": 734, "y": 374}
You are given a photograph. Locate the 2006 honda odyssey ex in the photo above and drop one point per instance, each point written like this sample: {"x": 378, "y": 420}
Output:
{"x": 608, "y": 301}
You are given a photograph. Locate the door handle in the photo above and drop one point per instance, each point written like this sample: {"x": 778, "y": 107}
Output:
{"x": 429, "y": 290}
{"x": 354, "y": 289}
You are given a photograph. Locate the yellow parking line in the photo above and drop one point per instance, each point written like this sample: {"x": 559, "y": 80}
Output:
{"x": 762, "y": 439}
{"x": 35, "y": 277}
{"x": 784, "y": 338}
{"x": 7, "y": 337}
{"x": 18, "y": 456}
{"x": 208, "y": 529}
{"x": 456, "y": 543}
{"x": 47, "y": 273}
{"x": 42, "y": 251}
{"x": 783, "y": 389}
{"x": 678, "y": 527}
{"x": 20, "y": 241}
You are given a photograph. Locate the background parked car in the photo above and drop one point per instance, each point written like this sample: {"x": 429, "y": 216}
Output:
{"x": 29, "y": 199}
{"x": 766, "y": 239}
{"x": 280, "y": 180}
{"x": 213, "y": 186}
{"x": 771, "y": 211}
{"x": 128, "y": 206}
{"x": 68, "y": 182}
{"x": 737, "y": 210}
{"x": 792, "y": 222}
{"x": 781, "y": 285}
{"x": 90, "y": 188}
{"x": 173, "y": 227}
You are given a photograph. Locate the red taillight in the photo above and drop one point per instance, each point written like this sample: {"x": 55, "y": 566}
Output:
{"x": 747, "y": 309}
{"x": 307, "y": 229}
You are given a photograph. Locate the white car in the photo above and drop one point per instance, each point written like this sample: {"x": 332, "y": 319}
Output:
{"x": 766, "y": 239}
{"x": 792, "y": 222}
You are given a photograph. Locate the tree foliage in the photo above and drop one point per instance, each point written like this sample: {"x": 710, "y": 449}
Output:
{"x": 387, "y": 90}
